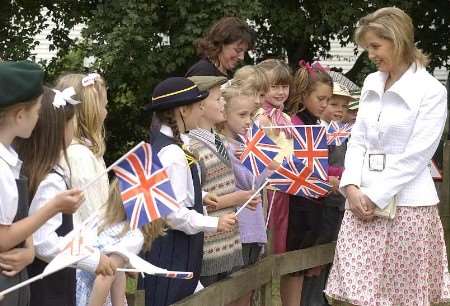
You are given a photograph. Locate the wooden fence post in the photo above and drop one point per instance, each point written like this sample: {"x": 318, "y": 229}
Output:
{"x": 444, "y": 195}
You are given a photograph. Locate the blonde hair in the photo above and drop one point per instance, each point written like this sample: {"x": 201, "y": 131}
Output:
{"x": 305, "y": 81}
{"x": 115, "y": 213}
{"x": 252, "y": 78}
{"x": 88, "y": 125}
{"x": 277, "y": 72}
{"x": 395, "y": 25}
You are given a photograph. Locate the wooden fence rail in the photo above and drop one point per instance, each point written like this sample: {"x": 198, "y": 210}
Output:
{"x": 260, "y": 275}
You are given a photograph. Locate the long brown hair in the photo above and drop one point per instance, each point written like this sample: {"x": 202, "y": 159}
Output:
{"x": 42, "y": 151}
{"x": 305, "y": 81}
{"x": 115, "y": 213}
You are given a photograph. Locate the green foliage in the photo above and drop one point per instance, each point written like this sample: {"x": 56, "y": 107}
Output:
{"x": 138, "y": 43}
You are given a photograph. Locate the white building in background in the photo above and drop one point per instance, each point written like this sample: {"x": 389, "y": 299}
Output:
{"x": 340, "y": 57}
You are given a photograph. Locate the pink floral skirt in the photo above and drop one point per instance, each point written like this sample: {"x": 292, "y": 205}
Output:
{"x": 400, "y": 262}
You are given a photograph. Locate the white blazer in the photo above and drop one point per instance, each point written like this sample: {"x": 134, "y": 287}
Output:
{"x": 405, "y": 123}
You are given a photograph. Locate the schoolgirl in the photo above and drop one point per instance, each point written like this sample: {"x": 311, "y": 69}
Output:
{"x": 114, "y": 231}
{"x": 313, "y": 88}
{"x": 177, "y": 109}
{"x": 42, "y": 154}
{"x": 20, "y": 101}
{"x": 85, "y": 152}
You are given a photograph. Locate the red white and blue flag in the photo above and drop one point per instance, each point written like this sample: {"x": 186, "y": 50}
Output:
{"x": 293, "y": 177}
{"x": 145, "y": 187}
{"x": 259, "y": 150}
{"x": 338, "y": 133}
{"x": 310, "y": 146}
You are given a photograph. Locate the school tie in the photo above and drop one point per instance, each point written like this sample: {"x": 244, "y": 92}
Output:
{"x": 220, "y": 147}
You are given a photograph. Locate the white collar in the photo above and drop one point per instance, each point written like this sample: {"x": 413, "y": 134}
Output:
{"x": 166, "y": 130}
{"x": 406, "y": 87}
{"x": 9, "y": 156}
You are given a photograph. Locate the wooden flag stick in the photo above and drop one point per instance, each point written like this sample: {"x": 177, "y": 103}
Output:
{"x": 270, "y": 208}
{"x": 251, "y": 198}
{"x": 112, "y": 166}
{"x": 28, "y": 281}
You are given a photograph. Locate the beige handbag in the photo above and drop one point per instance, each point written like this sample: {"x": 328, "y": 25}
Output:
{"x": 388, "y": 212}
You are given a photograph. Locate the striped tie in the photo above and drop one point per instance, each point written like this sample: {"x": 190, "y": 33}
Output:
{"x": 220, "y": 147}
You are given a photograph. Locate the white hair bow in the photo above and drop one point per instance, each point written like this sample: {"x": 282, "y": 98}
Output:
{"x": 89, "y": 79}
{"x": 64, "y": 97}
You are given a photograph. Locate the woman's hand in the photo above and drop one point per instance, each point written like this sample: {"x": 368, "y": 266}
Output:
{"x": 15, "y": 260}
{"x": 359, "y": 203}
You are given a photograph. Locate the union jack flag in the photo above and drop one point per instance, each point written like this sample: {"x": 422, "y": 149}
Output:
{"x": 338, "y": 133}
{"x": 310, "y": 146}
{"x": 75, "y": 247}
{"x": 293, "y": 177}
{"x": 173, "y": 274}
{"x": 259, "y": 150}
{"x": 145, "y": 187}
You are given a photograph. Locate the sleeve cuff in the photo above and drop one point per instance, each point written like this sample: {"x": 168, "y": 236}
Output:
{"x": 209, "y": 224}
{"x": 379, "y": 201}
{"x": 90, "y": 263}
{"x": 204, "y": 194}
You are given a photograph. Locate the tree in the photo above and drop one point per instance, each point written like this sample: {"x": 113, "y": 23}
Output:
{"x": 138, "y": 43}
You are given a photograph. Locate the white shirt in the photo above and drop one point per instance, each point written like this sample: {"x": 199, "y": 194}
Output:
{"x": 10, "y": 165}
{"x": 85, "y": 167}
{"x": 187, "y": 220}
{"x": 46, "y": 241}
{"x": 404, "y": 122}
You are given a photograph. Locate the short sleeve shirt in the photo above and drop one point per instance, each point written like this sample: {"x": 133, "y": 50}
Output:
{"x": 10, "y": 165}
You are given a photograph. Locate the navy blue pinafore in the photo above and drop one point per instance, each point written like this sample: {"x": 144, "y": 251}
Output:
{"x": 175, "y": 250}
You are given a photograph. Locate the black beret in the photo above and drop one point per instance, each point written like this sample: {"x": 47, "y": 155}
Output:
{"x": 174, "y": 92}
{"x": 20, "y": 82}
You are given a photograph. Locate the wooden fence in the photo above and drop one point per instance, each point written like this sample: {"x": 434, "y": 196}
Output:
{"x": 262, "y": 274}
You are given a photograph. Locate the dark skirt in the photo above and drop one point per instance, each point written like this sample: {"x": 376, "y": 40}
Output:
{"x": 20, "y": 297}
{"x": 174, "y": 251}
{"x": 55, "y": 289}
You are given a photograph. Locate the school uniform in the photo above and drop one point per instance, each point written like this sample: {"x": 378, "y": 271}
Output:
{"x": 20, "y": 82}
{"x": 402, "y": 261}
{"x": 58, "y": 288}
{"x": 13, "y": 207}
{"x": 181, "y": 248}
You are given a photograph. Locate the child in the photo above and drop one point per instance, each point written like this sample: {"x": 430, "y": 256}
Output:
{"x": 338, "y": 105}
{"x": 85, "y": 153}
{"x": 271, "y": 114}
{"x": 253, "y": 79}
{"x": 175, "y": 102}
{"x": 352, "y": 110}
{"x": 114, "y": 230}
{"x": 240, "y": 97}
{"x": 20, "y": 101}
{"x": 313, "y": 88}
{"x": 222, "y": 251}
{"x": 42, "y": 154}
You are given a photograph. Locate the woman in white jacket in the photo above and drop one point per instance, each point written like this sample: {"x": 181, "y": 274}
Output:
{"x": 399, "y": 260}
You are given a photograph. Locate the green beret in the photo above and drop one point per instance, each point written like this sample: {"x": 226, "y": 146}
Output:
{"x": 20, "y": 82}
{"x": 207, "y": 82}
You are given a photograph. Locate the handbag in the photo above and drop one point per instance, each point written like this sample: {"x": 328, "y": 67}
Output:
{"x": 388, "y": 212}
